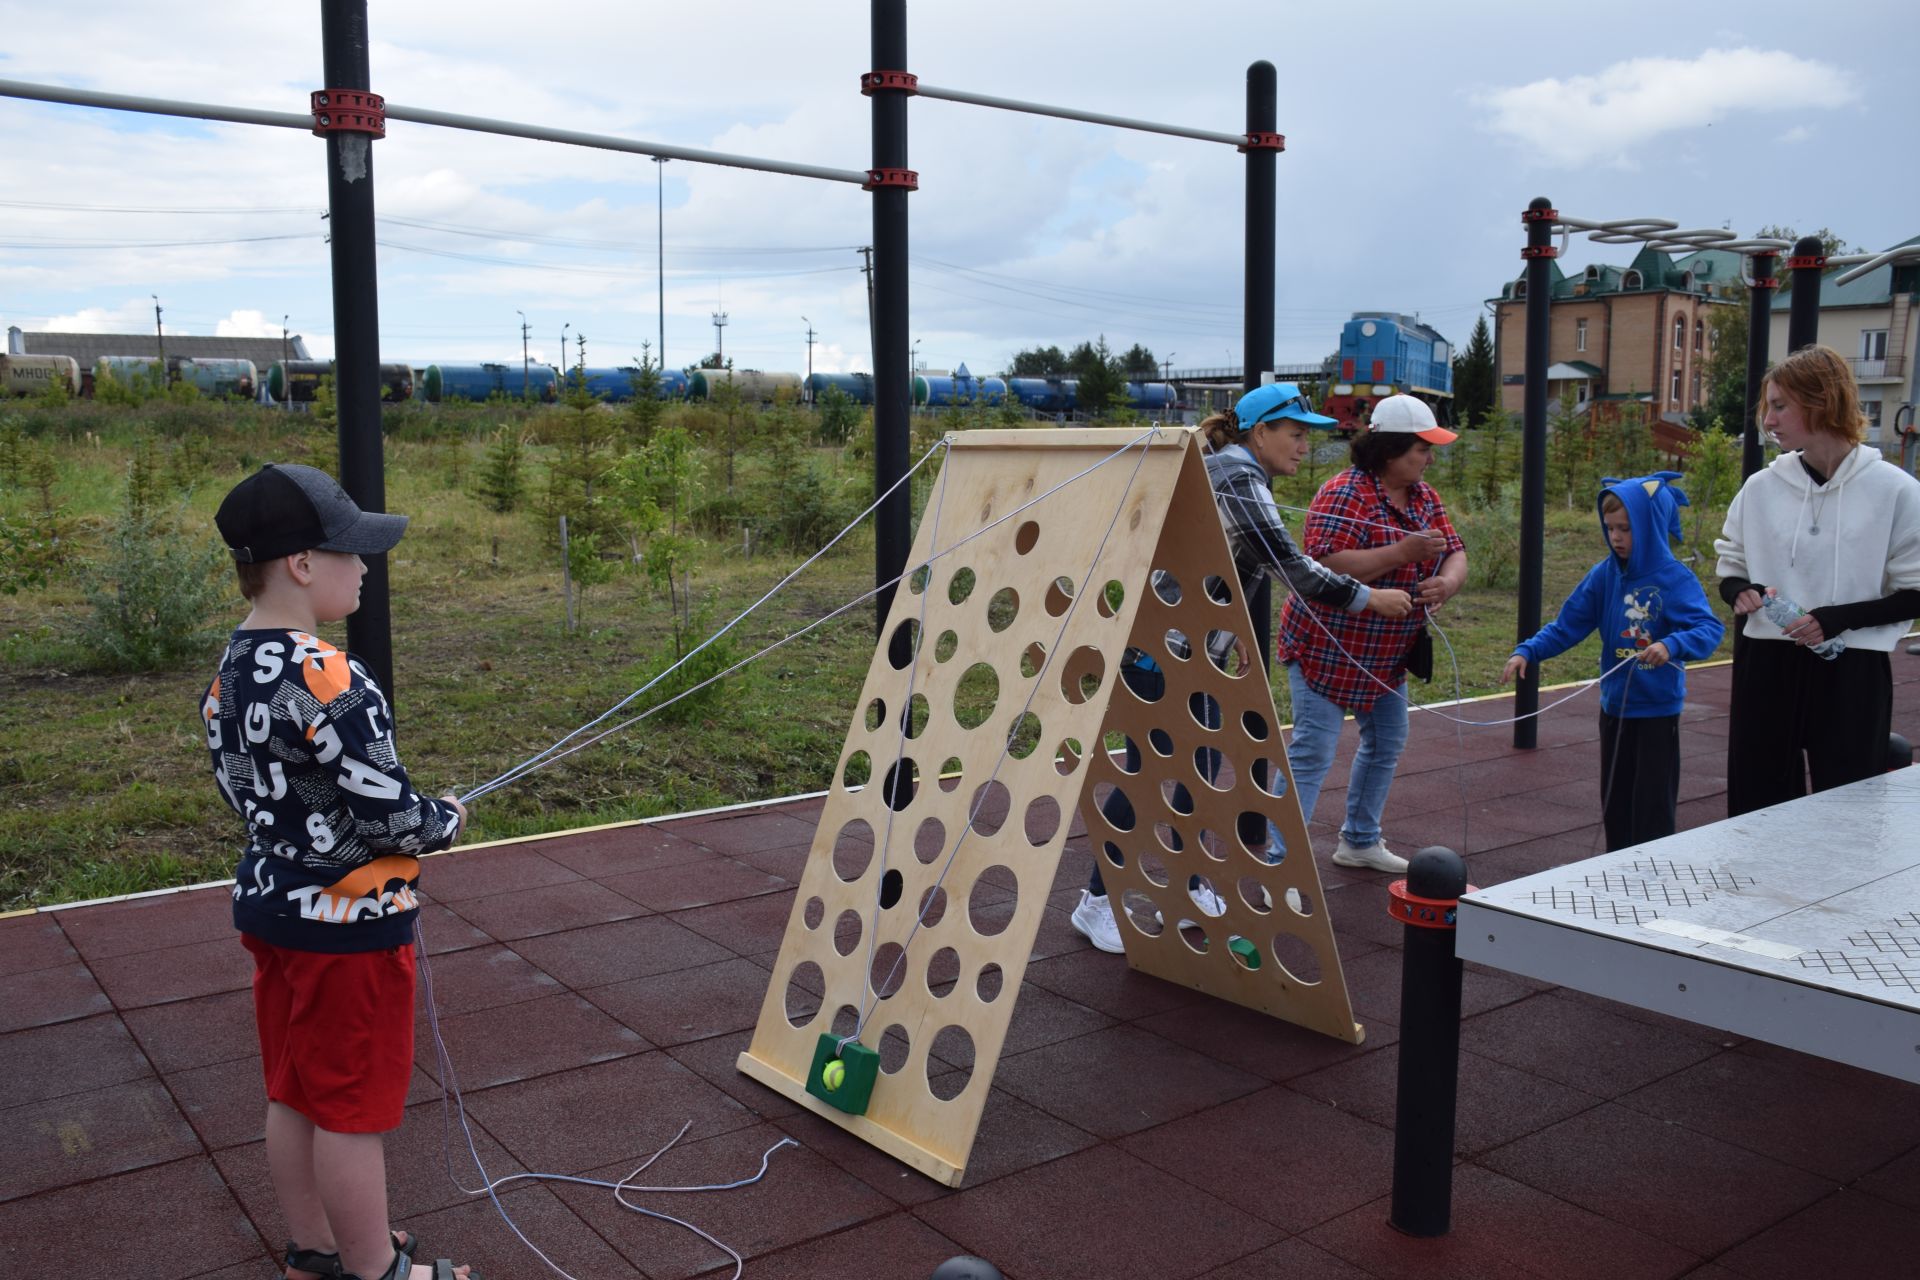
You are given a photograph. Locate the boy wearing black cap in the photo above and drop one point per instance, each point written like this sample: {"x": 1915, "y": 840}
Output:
{"x": 301, "y": 740}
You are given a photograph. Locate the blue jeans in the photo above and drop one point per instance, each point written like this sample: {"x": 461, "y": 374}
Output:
{"x": 1316, "y": 732}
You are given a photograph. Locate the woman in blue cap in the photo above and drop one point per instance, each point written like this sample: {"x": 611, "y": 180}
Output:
{"x": 1267, "y": 434}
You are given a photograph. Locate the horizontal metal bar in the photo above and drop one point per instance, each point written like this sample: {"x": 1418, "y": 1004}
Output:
{"x": 1071, "y": 113}
{"x": 1873, "y": 261}
{"x": 152, "y": 106}
{"x": 417, "y": 115}
{"x": 608, "y": 142}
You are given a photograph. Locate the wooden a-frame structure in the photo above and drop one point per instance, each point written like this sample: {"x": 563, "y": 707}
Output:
{"x": 1011, "y": 704}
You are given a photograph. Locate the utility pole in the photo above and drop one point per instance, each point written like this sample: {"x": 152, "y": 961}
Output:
{"x": 873, "y": 341}
{"x": 526, "y": 358}
{"x": 286, "y": 370}
{"x": 160, "y": 337}
{"x": 1166, "y": 376}
{"x": 719, "y": 337}
{"x": 809, "y": 384}
{"x": 562, "y": 371}
{"x": 660, "y": 247}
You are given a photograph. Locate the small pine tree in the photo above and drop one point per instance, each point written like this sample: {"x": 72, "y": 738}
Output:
{"x": 501, "y": 483}
{"x": 1569, "y": 451}
{"x": 647, "y": 407}
{"x": 1495, "y": 457}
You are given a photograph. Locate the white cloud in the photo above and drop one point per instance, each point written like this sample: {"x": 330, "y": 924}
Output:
{"x": 133, "y": 316}
{"x": 1799, "y": 133}
{"x": 1607, "y": 116}
{"x": 246, "y": 324}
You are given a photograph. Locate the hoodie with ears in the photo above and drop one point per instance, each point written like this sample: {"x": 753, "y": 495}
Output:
{"x": 1634, "y": 602}
{"x": 1855, "y": 538}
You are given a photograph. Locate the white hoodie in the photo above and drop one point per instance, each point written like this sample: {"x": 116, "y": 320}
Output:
{"x": 1868, "y": 544}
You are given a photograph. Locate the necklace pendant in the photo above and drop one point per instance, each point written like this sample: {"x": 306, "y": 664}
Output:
{"x": 1813, "y": 529}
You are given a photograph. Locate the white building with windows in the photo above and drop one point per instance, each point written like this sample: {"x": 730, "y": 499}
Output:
{"x": 1872, "y": 323}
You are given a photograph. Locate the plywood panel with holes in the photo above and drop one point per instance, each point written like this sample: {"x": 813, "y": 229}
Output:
{"x": 924, "y": 889}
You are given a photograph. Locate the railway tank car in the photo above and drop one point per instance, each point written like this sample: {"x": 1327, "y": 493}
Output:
{"x": 1384, "y": 353}
{"x": 857, "y": 387}
{"x": 755, "y": 386}
{"x": 483, "y": 381}
{"x": 958, "y": 388}
{"x": 615, "y": 384}
{"x": 26, "y": 375}
{"x": 302, "y": 378}
{"x": 235, "y": 379}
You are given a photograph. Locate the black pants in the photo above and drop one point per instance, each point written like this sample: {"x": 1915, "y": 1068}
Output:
{"x": 1795, "y": 714}
{"x": 1639, "y": 777}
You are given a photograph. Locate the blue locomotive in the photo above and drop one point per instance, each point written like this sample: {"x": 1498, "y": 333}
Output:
{"x": 1383, "y": 353}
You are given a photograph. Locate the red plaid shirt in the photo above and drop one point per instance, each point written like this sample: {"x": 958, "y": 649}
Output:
{"x": 1380, "y": 644}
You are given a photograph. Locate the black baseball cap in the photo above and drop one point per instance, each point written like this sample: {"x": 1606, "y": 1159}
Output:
{"x": 285, "y": 508}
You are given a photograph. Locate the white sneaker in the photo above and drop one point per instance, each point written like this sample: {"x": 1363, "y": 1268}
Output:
{"x": 1207, "y": 900}
{"x": 1375, "y": 856}
{"x": 1094, "y": 918}
{"x": 1293, "y": 900}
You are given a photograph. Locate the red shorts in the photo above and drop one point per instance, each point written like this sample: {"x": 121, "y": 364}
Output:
{"x": 336, "y": 1033}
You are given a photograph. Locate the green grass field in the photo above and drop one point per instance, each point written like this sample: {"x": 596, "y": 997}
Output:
{"x": 106, "y": 777}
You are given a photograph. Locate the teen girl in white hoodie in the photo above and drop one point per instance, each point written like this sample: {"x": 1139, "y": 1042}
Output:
{"x": 1834, "y": 528}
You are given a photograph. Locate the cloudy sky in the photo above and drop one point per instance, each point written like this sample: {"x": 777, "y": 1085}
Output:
{"x": 1415, "y": 135}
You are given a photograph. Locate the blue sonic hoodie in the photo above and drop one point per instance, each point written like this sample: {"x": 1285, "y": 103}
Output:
{"x": 1647, "y": 597}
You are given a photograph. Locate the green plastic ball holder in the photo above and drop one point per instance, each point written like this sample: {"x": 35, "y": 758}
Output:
{"x": 863, "y": 1068}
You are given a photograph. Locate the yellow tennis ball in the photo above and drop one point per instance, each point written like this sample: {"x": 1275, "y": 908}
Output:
{"x": 833, "y": 1075}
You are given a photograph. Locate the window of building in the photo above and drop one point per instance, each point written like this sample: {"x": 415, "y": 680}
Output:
{"x": 1871, "y": 410}
{"x": 1673, "y": 395}
{"x": 1699, "y": 336}
{"x": 1579, "y": 335}
{"x": 1696, "y": 388}
{"x": 1679, "y": 333}
{"x": 1631, "y": 280}
{"x": 1519, "y": 288}
{"x": 1873, "y": 344}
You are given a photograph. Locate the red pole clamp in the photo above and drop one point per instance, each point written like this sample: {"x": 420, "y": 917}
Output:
{"x": 1540, "y": 215}
{"x": 872, "y": 82}
{"x": 1425, "y": 913}
{"x": 349, "y": 111}
{"x": 1264, "y": 141}
{"x": 1766, "y": 282}
{"x": 1540, "y": 251}
{"x": 878, "y": 178}
{"x": 1817, "y": 260}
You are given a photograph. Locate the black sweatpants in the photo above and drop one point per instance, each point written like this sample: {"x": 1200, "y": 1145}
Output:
{"x": 1795, "y": 714}
{"x": 1639, "y": 777}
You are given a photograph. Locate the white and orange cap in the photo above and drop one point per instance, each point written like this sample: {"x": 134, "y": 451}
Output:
{"x": 1412, "y": 415}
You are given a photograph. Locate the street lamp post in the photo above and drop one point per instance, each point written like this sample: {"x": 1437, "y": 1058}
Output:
{"x": 562, "y": 371}
{"x": 660, "y": 247}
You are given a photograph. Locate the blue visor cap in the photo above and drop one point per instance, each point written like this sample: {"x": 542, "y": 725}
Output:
{"x": 1278, "y": 400}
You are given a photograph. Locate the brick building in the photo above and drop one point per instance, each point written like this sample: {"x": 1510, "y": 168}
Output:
{"x": 1633, "y": 333}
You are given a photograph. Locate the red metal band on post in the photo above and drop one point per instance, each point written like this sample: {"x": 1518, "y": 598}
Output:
{"x": 1817, "y": 260}
{"x": 348, "y": 111}
{"x": 1425, "y": 913}
{"x": 1540, "y": 251}
{"x": 1766, "y": 282}
{"x": 1264, "y": 141}
{"x": 872, "y": 82}
{"x": 877, "y": 178}
{"x": 1540, "y": 215}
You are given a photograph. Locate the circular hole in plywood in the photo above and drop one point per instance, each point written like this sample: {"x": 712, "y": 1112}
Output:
{"x": 1059, "y": 596}
{"x": 1148, "y": 689}
{"x": 1032, "y": 658}
{"x": 929, "y": 840}
{"x": 1214, "y": 768}
{"x": 853, "y": 850}
{"x": 814, "y": 912}
{"x": 951, "y": 1044}
{"x": 1255, "y": 895}
{"x": 1298, "y": 958}
{"x": 1154, "y": 870}
{"x": 946, "y": 646}
{"x": 1255, "y": 724}
{"x": 960, "y": 586}
{"x": 904, "y": 645}
{"x": 989, "y": 909}
{"x": 1067, "y": 756}
{"x": 974, "y": 697}
{"x": 1162, "y": 743}
{"x": 1176, "y": 796}
{"x": 1084, "y": 673}
{"x": 1024, "y": 736}
{"x": 1142, "y": 913}
{"x": 1129, "y": 759}
{"x": 1177, "y": 644}
{"x": 1212, "y": 845}
{"x": 888, "y": 971}
{"x": 943, "y": 973}
{"x": 1169, "y": 837}
{"x": 1113, "y": 806}
{"x": 891, "y": 885}
{"x": 990, "y": 806}
{"x": 846, "y": 931}
{"x": 901, "y": 784}
{"x": 917, "y": 580}
{"x": 1112, "y": 853}
{"x": 1165, "y": 586}
{"x": 950, "y": 774}
{"x": 1300, "y": 902}
{"x": 1042, "y": 821}
{"x": 1112, "y": 596}
{"x": 1251, "y": 830}
{"x": 918, "y": 712}
{"x": 1194, "y": 936}
{"x": 988, "y": 983}
{"x": 802, "y": 1001}
{"x": 1228, "y": 653}
{"x": 1218, "y": 590}
{"x": 1204, "y": 708}
{"x": 933, "y": 907}
{"x": 1002, "y": 609}
{"x": 858, "y": 770}
{"x": 1026, "y": 536}
{"x": 1267, "y": 776}
{"x": 895, "y": 1048}
{"x": 846, "y": 1021}
{"x": 1205, "y": 896}
{"x": 876, "y": 714}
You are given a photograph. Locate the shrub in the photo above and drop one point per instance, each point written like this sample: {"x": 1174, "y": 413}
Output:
{"x": 500, "y": 483}
{"x": 1492, "y": 535}
{"x": 154, "y": 596}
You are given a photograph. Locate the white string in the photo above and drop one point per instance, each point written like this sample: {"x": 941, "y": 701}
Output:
{"x": 812, "y": 626}
{"x": 980, "y": 795}
{"x": 450, "y": 1090}
{"x": 532, "y": 762}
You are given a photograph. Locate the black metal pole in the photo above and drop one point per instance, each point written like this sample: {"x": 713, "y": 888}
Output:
{"x": 1539, "y": 254}
{"x": 356, "y": 323}
{"x": 1803, "y": 316}
{"x": 1759, "y": 337}
{"x": 1430, "y": 975}
{"x": 892, "y": 388}
{"x": 1263, "y": 153}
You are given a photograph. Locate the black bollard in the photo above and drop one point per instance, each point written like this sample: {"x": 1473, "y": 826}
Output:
{"x": 1899, "y": 752}
{"x": 1426, "y": 902}
{"x": 966, "y": 1268}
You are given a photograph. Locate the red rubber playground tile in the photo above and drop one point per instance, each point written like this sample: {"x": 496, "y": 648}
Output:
{"x": 605, "y": 953}
{"x": 518, "y": 1042}
{"x": 40, "y": 997}
{"x": 1120, "y": 1080}
{"x": 196, "y": 1033}
{"x": 167, "y": 1222}
{"x": 892, "y": 1246}
{"x": 478, "y": 873}
{"x": 618, "y": 851}
{"x": 692, "y": 1004}
{"x": 695, "y": 884}
{"x": 553, "y": 908}
{"x": 69, "y": 1057}
{"x": 149, "y": 924}
{"x": 34, "y": 942}
{"x": 1845, "y": 1234}
{"x": 81, "y": 1136}
{"x": 176, "y": 973}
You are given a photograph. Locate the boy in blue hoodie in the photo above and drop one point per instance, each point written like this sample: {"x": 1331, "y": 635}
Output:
{"x": 1644, "y": 603}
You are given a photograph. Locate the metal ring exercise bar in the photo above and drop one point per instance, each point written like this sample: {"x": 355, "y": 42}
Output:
{"x": 1664, "y": 235}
